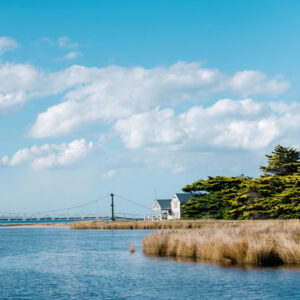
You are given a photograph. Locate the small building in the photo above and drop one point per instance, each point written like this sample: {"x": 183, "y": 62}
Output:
{"x": 171, "y": 208}
{"x": 164, "y": 207}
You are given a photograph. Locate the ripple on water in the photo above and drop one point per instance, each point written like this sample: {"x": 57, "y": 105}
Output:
{"x": 58, "y": 263}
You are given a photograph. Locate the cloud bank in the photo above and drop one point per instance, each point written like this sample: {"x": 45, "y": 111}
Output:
{"x": 112, "y": 93}
{"x": 243, "y": 124}
{"x": 115, "y": 91}
{"x": 50, "y": 156}
{"x": 129, "y": 100}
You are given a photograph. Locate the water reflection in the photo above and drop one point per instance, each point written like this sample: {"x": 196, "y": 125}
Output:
{"x": 288, "y": 267}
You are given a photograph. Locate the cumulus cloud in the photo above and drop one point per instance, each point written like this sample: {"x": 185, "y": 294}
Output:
{"x": 157, "y": 127}
{"x": 20, "y": 83}
{"x": 50, "y": 156}
{"x": 72, "y": 55}
{"x": 112, "y": 93}
{"x": 7, "y": 44}
{"x": 16, "y": 83}
{"x": 254, "y": 82}
{"x": 243, "y": 124}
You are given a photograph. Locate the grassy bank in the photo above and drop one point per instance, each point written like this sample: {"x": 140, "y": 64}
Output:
{"x": 174, "y": 224}
{"x": 264, "y": 243}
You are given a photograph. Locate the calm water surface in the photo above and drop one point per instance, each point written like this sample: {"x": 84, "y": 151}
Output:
{"x": 57, "y": 263}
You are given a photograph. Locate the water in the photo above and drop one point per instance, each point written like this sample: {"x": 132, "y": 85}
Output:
{"x": 58, "y": 263}
{"x": 5, "y": 222}
{"x": 46, "y": 221}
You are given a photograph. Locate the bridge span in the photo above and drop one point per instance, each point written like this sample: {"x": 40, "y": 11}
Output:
{"x": 74, "y": 213}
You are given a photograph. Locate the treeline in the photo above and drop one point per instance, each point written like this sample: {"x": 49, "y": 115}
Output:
{"x": 275, "y": 194}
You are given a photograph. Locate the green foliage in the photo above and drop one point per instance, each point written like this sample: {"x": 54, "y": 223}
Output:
{"x": 279, "y": 197}
{"x": 276, "y": 194}
{"x": 282, "y": 161}
{"x": 215, "y": 196}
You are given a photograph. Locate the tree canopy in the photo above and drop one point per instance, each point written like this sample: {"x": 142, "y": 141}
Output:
{"x": 275, "y": 194}
{"x": 282, "y": 161}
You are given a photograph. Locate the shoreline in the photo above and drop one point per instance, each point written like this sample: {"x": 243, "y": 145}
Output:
{"x": 260, "y": 243}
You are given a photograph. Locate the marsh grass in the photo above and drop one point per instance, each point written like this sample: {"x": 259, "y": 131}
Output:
{"x": 171, "y": 224}
{"x": 262, "y": 243}
{"x": 131, "y": 249}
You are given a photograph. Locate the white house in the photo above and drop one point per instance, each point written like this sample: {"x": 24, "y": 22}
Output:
{"x": 171, "y": 208}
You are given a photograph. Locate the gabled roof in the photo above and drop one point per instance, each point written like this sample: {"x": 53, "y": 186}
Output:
{"x": 164, "y": 203}
{"x": 184, "y": 197}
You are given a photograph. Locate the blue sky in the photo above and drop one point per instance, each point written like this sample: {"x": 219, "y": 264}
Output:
{"x": 133, "y": 96}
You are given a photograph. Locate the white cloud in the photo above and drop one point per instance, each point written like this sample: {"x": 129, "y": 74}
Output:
{"x": 254, "y": 82}
{"x": 156, "y": 127}
{"x": 16, "y": 83}
{"x": 62, "y": 42}
{"x": 50, "y": 156}
{"x": 112, "y": 93}
{"x": 109, "y": 174}
{"x": 229, "y": 124}
{"x": 72, "y": 55}
{"x": 66, "y": 42}
{"x": 20, "y": 83}
{"x": 7, "y": 44}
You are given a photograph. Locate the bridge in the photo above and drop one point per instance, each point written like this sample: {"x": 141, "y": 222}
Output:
{"x": 76, "y": 213}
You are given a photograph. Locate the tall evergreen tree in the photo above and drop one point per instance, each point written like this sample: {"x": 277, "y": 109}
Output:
{"x": 276, "y": 194}
{"x": 282, "y": 161}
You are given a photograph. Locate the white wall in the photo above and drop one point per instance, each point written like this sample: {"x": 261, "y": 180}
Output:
{"x": 175, "y": 205}
{"x": 156, "y": 206}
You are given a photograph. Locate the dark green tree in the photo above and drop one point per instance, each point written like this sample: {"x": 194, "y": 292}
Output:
{"x": 276, "y": 194}
{"x": 282, "y": 161}
{"x": 272, "y": 197}
{"x": 214, "y": 197}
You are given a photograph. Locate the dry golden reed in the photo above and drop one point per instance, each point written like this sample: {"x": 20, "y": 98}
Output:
{"x": 132, "y": 249}
{"x": 263, "y": 243}
{"x": 171, "y": 224}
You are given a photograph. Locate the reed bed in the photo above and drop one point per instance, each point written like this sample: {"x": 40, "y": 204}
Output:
{"x": 262, "y": 243}
{"x": 165, "y": 224}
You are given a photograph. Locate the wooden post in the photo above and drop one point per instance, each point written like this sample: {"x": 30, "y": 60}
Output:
{"x": 112, "y": 207}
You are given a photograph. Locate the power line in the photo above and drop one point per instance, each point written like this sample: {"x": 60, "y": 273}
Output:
{"x": 133, "y": 202}
{"x": 58, "y": 210}
{"x": 77, "y": 206}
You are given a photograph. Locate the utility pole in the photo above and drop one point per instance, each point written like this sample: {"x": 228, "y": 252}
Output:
{"x": 112, "y": 207}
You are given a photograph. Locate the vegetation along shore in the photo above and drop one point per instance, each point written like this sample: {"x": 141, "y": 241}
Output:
{"x": 232, "y": 220}
{"x": 231, "y": 242}
{"x": 262, "y": 243}
{"x": 274, "y": 195}
{"x": 173, "y": 224}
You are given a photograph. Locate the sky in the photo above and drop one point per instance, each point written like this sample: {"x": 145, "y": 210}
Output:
{"x": 140, "y": 98}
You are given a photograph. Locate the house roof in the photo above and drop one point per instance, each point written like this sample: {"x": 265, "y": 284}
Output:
{"x": 164, "y": 203}
{"x": 184, "y": 197}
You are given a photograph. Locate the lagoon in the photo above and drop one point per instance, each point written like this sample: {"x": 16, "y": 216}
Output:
{"x": 59, "y": 263}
